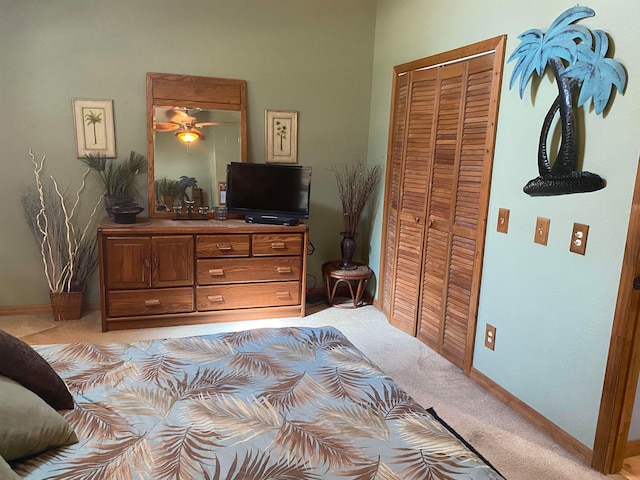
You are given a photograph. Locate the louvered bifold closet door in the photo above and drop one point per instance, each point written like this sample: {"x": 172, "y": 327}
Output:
{"x": 451, "y": 275}
{"x": 413, "y": 199}
{"x": 393, "y": 179}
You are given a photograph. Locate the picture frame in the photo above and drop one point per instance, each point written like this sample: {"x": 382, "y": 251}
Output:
{"x": 281, "y": 136}
{"x": 222, "y": 193}
{"x": 94, "y": 127}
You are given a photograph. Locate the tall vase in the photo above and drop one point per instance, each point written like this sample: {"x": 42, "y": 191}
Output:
{"x": 348, "y": 249}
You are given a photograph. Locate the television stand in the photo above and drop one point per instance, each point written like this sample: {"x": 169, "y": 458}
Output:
{"x": 271, "y": 220}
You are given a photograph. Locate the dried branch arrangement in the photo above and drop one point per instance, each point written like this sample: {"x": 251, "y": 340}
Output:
{"x": 68, "y": 253}
{"x": 355, "y": 183}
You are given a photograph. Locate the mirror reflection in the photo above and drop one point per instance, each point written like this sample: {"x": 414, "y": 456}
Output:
{"x": 192, "y": 149}
{"x": 195, "y": 127}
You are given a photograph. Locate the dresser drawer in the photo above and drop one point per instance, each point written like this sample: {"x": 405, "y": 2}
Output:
{"x": 222, "y": 246}
{"x": 224, "y": 297}
{"x": 277, "y": 244}
{"x": 241, "y": 270}
{"x": 126, "y": 303}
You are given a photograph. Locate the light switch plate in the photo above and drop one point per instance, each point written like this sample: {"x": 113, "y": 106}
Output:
{"x": 541, "y": 234}
{"x": 503, "y": 220}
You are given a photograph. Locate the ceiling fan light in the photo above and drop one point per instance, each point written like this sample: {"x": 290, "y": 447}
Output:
{"x": 188, "y": 135}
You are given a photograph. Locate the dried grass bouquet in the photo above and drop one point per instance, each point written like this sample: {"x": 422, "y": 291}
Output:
{"x": 356, "y": 183}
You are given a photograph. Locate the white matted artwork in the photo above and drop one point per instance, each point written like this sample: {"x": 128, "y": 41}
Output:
{"x": 281, "y": 134}
{"x": 94, "y": 129}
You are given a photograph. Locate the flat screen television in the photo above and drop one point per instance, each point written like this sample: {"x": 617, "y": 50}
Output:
{"x": 269, "y": 193}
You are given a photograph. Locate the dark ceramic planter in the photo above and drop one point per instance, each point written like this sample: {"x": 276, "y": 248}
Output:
{"x": 111, "y": 201}
{"x": 126, "y": 213}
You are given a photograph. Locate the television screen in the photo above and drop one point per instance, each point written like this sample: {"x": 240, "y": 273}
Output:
{"x": 268, "y": 193}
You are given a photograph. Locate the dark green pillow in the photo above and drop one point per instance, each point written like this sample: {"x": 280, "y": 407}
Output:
{"x": 24, "y": 365}
{"x": 28, "y": 425}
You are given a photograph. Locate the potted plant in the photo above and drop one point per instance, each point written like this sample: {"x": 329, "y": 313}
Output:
{"x": 68, "y": 250}
{"x": 167, "y": 190}
{"x": 356, "y": 183}
{"x": 117, "y": 176}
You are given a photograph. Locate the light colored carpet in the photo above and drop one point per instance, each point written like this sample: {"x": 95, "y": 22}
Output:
{"x": 515, "y": 447}
{"x": 22, "y": 326}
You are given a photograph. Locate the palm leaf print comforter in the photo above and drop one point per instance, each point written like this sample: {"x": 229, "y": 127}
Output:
{"x": 273, "y": 403}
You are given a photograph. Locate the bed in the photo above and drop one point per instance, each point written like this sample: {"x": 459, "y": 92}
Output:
{"x": 277, "y": 403}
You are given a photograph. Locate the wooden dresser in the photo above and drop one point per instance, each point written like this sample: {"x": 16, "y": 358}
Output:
{"x": 163, "y": 272}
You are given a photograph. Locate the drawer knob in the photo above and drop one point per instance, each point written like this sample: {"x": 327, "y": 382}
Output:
{"x": 152, "y": 302}
{"x": 278, "y": 245}
{"x": 283, "y": 294}
{"x": 284, "y": 269}
{"x": 224, "y": 246}
{"x": 215, "y": 298}
{"x": 216, "y": 272}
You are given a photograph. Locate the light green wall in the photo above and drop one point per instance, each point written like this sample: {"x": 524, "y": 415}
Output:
{"x": 313, "y": 57}
{"x": 552, "y": 309}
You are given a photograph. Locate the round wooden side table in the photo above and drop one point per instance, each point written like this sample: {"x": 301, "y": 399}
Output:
{"x": 356, "y": 281}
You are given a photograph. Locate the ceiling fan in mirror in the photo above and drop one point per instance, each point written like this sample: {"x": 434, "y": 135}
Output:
{"x": 182, "y": 121}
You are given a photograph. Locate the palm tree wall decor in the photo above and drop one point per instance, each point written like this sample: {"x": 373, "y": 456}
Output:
{"x": 281, "y": 131}
{"x": 577, "y": 59}
{"x": 93, "y": 118}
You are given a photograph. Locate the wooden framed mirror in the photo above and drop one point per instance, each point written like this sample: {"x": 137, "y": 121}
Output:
{"x": 195, "y": 127}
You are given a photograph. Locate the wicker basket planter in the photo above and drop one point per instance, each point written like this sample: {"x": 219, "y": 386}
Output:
{"x": 66, "y": 305}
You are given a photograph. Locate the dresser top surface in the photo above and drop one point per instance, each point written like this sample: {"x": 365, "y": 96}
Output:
{"x": 145, "y": 225}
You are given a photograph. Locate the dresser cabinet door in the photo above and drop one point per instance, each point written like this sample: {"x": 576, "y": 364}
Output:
{"x": 172, "y": 261}
{"x": 128, "y": 262}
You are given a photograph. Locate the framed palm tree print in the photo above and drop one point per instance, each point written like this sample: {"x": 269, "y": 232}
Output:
{"x": 281, "y": 136}
{"x": 94, "y": 129}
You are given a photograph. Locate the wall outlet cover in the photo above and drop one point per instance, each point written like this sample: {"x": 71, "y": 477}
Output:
{"x": 579, "y": 238}
{"x": 490, "y": 337}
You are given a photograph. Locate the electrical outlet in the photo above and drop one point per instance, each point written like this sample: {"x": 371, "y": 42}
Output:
{"x": 503, "y": 220}
{"x": 541, "y": 235}
{"x": 579, "y": 238}
{"x": 490, "y": 336}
